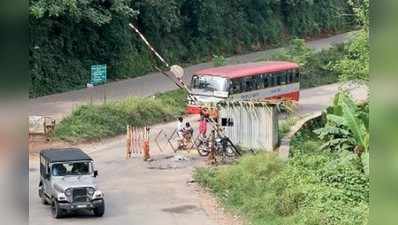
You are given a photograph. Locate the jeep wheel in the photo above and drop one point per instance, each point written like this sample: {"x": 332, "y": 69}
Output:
{"x": 56, "y": 211}
{"x": 42, "y": 197}
{"x": 99, "y": 210}
{"x": 43, "y": 200}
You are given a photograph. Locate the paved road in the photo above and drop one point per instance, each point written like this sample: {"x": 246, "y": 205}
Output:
{"x": 59, "y": 105}
{"x": 158, "y": 193}
{"x": 136, "y": 192}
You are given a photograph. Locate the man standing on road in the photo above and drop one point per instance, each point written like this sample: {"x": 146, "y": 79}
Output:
{"x": 180, "y": 133}
{"x": 188, "y": 133}
{"x": 188, "y": 130}
{"x": 203, "y": 126}
{"x": 180, "y": 127}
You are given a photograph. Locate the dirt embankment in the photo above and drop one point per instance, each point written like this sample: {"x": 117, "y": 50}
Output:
{"x": 215, "y": 210}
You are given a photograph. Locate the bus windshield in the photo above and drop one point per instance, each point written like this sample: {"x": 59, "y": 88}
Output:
{"x": 209, "y": 83}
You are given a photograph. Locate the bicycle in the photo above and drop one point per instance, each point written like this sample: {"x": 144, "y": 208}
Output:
{"x": 223, "y": 147}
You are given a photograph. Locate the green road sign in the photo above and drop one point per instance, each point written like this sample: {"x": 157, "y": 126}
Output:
{"x": 98, "y": 74}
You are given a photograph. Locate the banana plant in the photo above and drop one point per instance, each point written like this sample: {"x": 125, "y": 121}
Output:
{"x": 346, "y": 126}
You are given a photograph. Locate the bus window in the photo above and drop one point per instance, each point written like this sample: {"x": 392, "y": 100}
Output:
{"x": 266, "y": 80}
{"x": 259, "y": 81}
{"x": 209, "y": 83}
{"x": 253, "y": 83}
{"x": 282, "y": 78}
{"x": 235, "y": 87}
{"x": 279, "y": 79}
{"x": 290, "y": 77}
{"x": 195, "y": 81}
{"x": 274, "y": 80}
{"x": 247, "y": 84}
{"x": 296, "y": 76}
{"x": 242, "y": 82}
{"x": 270, "y": 80}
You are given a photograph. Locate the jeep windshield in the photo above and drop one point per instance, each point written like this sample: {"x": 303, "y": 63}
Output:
{"x": 71, "y": 169}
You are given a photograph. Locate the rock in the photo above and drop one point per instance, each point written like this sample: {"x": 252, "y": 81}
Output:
{"x": 180, "y": 158}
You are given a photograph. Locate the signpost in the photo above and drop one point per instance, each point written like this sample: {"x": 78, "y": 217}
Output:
{"x": 98, "y": 76}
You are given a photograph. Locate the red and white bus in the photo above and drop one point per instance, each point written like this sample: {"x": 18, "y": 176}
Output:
{"x": 261, "y": 80}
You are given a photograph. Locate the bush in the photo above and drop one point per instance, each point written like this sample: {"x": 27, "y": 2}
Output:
{"x": 93, "y": 122}
{"x": 285, "y": 125}
{"x": 317, "y": 68}
{"x": 313, "y": 187}
{"x": 219, "y": 60}
{"x": 175, "y": 99}
{"x": 354, "y": 66}
{"x": 347, "y": 126}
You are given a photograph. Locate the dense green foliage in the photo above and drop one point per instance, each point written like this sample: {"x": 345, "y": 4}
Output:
{"x": 92, "y": 122}
{"x": 360, "y": 9}
{"x": 347, "y": 126}
{"x": 286, "y": 124}
{"x": 323, "y": 182}
{"x": 219, "y": 60}
{"x": 320, "y": 184}
{"x": 317, "y": 68}
{"x": 93, "y": 11}
{"x": 66, "y": 37}
{"x": 313, "y": 187}
{"x": 355, "y": 65}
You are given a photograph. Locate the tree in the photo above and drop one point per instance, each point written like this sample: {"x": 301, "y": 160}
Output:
{"x": 361, "y": 11}
{"x": 98, "y": 12}
{"x": 355, "y": 65}
{"x": 67, "y": 36}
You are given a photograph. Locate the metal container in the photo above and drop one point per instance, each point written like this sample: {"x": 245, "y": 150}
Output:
{"x": 250, "y": 125}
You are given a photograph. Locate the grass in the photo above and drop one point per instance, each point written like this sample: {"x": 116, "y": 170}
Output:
{"x": 313, "y": 187}
{"x": 93, "y": 122}
{"x": 286, "y": 124}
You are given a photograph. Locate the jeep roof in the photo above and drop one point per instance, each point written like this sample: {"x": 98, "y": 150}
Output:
{"x": 64, "y": 155}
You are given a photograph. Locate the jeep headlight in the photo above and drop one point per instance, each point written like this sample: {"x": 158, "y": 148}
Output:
{"x": 90, "y": 191}
{"x": 61, "y": 197}
{"x": 68, "y": 192}
{"x": 98, "y": 195}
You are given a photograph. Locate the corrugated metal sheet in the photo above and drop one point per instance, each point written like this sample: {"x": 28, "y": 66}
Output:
{"x": 253, "y": 127}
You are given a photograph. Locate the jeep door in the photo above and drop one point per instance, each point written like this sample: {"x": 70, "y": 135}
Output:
{"x": 45, "y": 176}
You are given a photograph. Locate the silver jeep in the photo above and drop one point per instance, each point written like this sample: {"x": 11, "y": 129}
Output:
{"x": 67, "y": 182}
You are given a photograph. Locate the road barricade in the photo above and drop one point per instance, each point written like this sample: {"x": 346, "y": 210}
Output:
{"x": 137, "y": 139}
{"x": 41, "y": 126}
